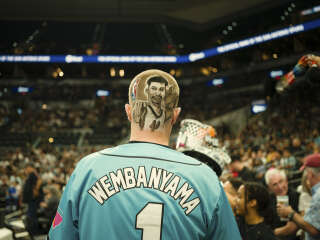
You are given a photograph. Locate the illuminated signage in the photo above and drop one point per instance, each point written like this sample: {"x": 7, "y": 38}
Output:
{"x": 192, "y": 57}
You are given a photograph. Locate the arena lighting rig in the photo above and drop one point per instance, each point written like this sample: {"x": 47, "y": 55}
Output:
{"x": 163, "y": 59}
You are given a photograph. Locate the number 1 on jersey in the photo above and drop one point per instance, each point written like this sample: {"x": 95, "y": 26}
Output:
{"x": 149, "y": 219}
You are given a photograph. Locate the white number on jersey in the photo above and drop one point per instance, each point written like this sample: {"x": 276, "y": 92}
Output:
{"x": 149, "y": 219}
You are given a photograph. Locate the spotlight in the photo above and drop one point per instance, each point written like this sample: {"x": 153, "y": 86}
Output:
{"x": 112, "y": 72}
{"x": 121, "y": 72}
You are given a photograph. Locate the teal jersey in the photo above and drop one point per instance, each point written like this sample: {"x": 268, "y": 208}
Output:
{"x": 143, "y": 191}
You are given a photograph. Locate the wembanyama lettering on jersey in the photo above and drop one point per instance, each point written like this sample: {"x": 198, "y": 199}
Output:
{"x": 156, "y": 178}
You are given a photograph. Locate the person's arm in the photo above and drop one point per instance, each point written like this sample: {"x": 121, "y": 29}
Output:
{"x": 298, "y": 219}
{"x": 288, "y": 229}
{"x": 284, "y": 211}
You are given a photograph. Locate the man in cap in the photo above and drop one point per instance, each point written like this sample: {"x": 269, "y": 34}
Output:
{"x": 144, "y": 189}
{"x": 310, "y": 223}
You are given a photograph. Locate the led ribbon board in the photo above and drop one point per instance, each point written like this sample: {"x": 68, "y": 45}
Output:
{"x": 192, "y": 57}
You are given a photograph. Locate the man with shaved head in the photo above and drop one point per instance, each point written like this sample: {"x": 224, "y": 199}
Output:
{"x": 144, "y": 189}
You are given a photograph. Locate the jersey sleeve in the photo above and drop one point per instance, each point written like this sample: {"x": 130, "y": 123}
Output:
{"x": 65, "y": 223}
{"x": 223, "y": 224}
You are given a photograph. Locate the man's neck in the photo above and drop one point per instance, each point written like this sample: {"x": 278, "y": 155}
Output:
{"x": 159, "y": 137}
{"x": 151, "y": 139}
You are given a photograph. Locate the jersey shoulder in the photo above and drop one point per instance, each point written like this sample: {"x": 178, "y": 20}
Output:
{"x": 150, "y": 151}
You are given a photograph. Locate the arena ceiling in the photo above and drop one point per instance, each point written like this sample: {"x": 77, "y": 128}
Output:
{"x": 193, "y": 13}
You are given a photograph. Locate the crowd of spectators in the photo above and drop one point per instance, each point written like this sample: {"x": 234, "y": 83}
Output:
{"x": 63, "y": 113}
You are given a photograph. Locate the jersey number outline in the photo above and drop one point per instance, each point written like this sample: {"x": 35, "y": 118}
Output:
{"x": 149, "y": 219}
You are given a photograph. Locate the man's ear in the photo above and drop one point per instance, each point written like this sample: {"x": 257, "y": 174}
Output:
{"x": 176, "y": 112}
{"x": 128, "y": 111}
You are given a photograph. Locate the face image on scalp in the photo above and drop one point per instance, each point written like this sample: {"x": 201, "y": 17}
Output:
{"x": 156, "y": 91}
{"x": 153, "y": 95}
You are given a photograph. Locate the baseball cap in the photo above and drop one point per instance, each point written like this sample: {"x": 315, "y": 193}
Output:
{"x": 139, "y": 95}
{"x": 312, "y": 160}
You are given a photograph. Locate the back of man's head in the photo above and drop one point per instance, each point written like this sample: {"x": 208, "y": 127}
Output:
{"x": 166, "y": 94}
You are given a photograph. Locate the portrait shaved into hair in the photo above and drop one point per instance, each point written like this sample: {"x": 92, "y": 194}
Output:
{"x": 156, "y": 91}
{"x": 153, "y": 97}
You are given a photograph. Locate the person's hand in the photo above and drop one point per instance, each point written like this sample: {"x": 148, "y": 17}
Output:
{"x": 303, "y": 61}
{"x": 283, "y": 210}
{"x": 313, "y": 59}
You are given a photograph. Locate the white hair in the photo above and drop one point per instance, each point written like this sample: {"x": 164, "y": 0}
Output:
{"x": 273, "y": 171}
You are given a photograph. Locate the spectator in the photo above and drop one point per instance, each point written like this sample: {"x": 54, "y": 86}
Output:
{"x": 277, "y": 183}
{"x": 237, "y": 166}
{"x": 310, "y": 223}
{"x": 287, "y": 160}
{"x": 49, "y": 206}
{"x": 297, "y": 149}
{"x": 32, "y": 196}
{"x": 304, "y": 198}
{"x": 254, "y": 206}
{"x": 13, "y": 196}
{"x": 305, "y": 194}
